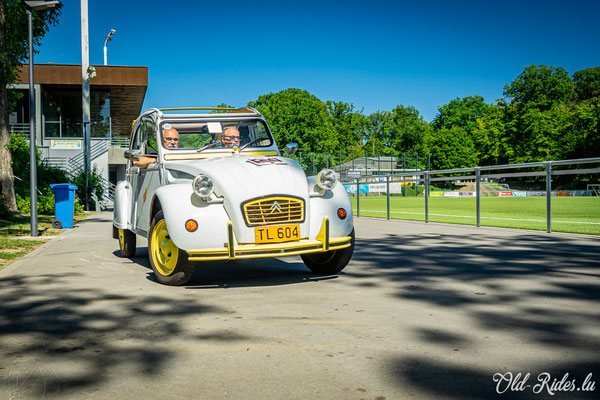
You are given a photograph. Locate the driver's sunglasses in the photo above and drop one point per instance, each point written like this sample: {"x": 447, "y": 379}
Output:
{"x": 172, "y": 139}
{"x": 233, "y": 138}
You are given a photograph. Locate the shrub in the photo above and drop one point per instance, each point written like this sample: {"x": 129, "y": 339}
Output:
{"x": 94, "y": 181}
{"x": 19, "y": 149}
{"x": 45, "y": 204}
{"x": 5, "y": 213}
{"x": 78, "y": 207}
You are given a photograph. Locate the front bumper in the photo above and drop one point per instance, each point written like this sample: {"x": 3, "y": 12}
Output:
{"x": 230, "y": 251}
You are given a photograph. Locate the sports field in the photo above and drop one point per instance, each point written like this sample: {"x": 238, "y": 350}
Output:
{"x": 569, "y": 214}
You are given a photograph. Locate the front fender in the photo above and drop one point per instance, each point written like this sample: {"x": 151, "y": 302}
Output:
{"x": 179, "y": 204}
{"x": 327, "y": 206}
{"x": 122, "y": 209}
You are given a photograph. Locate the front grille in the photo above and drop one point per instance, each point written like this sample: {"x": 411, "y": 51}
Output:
{"x": 273, "y": 210}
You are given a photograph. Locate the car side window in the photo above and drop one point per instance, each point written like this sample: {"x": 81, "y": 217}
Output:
{"x": 135, "y": 144}
{"x": 148, "y": 137}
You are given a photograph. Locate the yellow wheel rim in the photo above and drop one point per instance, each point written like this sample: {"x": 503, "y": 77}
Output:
{"x": 121, "y": 239}
{"x": 164, "y": 252}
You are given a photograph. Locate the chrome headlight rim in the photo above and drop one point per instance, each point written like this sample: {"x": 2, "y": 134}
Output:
{"x": 203, "y": 185}
{"x": 327, "y": 179}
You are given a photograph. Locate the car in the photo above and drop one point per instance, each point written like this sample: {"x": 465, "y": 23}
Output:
{"x": 206, "y": 184}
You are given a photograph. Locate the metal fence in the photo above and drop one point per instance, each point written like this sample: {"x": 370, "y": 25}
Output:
{"x": 478, "y": 174}
{"x": 349, "y": 165}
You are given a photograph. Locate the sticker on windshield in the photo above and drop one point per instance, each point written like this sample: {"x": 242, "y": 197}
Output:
{"x": 236, "y": 149}
{"x": 266, "y": 161}
{"x": 166, "y": 126}
{"x": 214, "y": 127}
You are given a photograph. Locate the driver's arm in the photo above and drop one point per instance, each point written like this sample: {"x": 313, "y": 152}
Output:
{"x": 144, "y": 161}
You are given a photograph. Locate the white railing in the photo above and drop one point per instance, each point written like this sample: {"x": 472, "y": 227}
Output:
{"x": 19, "y": 127}
{"x": 119, "y": 142}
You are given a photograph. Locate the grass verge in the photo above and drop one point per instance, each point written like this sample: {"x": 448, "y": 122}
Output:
{"x": 12, "y": 247}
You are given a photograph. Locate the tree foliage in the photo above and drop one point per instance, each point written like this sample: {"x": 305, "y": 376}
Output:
{"x": 13, "y": 51}
{"x": 296, "y": 116}
{"x": 408, "y": 130}
{"x": 541, "y": 87}
{"x": 451, "y": 148}
{"x": 545, "y": 115}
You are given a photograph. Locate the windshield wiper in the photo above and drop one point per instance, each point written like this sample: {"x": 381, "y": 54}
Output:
{"x": 251, "y": 142}
{"x": 208, "y": 146}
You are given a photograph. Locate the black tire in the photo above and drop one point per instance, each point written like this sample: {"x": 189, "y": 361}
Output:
{"x": 330, "y": 262}
{"x": 169, "y": 263}
{"x": 126, "y": 242}
{"x": 56, "y": 224}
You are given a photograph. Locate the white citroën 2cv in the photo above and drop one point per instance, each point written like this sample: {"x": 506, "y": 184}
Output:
{"x": 213, "y": 186}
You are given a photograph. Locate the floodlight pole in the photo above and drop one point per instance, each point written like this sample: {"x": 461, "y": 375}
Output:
{"x": 108, "y": 39}
{"x": 32, "y": 150}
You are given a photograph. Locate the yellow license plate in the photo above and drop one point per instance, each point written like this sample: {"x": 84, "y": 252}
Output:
{"x": 277, "y": 233}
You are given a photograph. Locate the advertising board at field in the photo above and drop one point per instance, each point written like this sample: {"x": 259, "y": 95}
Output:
{"x": 505, "y": 194}
{"x": 363, "y": 188}
{"x": 466, "y": 194}
{"x": 436, "y": 194}
{"x": 519, "y": 194}
{"x": 395, "y": 187}
{"x": 451, "y": 194}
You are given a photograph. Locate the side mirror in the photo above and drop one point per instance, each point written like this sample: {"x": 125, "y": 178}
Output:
{"x": 291, "y": 148}
{"x": 133, "y": 155}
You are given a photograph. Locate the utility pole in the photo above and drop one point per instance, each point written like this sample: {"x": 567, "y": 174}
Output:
{"x": 32, "y": 136}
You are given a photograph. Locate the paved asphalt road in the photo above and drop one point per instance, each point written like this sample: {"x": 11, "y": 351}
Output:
{"x": 422, "y": 312}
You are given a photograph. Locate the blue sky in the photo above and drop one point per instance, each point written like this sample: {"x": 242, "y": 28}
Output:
{"x": 375, "y": 54}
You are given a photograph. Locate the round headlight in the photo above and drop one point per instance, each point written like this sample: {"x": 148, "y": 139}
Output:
{"x": 326, "y": 179}
{"x": 203, "y": 185}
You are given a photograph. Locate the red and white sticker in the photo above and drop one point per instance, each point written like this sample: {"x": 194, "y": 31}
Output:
{"x": 266, "y": 161}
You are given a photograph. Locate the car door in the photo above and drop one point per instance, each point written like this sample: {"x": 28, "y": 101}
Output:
{"x": 147, "y": 180}
{"x": 133, "y": 177}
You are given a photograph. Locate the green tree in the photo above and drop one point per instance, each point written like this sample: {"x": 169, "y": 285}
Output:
{"x": 349, "y": 125}
{"x": 587, "y": 83}
{"x": 13, "y": 51}
{"x": 377, "y": 134}
{"x": 451, "y": 148}
{"x": 295, "y": 115}
{"x": 541, "y": 87}
{"x": 489, "y": 135}
{"x": 587, "y": 110}
{"x": 408, "y": 130}
{"x": 462, "y": 113}
{"x": 539, "y": 124}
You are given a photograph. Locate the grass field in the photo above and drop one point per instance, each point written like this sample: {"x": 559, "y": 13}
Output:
{"x": 569, "y": 214}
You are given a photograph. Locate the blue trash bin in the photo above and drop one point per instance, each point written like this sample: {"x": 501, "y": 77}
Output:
{"x": 64, "y": 204}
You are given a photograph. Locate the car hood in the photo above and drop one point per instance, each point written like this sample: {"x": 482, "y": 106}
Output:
{"x": 240, "y": 178}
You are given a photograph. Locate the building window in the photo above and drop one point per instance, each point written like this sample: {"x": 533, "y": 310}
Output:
{"x": 63, "y": 113}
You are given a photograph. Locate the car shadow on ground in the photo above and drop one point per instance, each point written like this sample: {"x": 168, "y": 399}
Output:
{"x": 503, "y": 286}
{"x": 240, "y": 273}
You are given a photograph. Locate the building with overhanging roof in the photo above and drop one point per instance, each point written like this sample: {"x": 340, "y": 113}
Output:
{"x": 116, "y": 97}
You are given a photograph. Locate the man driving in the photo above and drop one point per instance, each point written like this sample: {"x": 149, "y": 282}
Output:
{"x": 170, "y": 141}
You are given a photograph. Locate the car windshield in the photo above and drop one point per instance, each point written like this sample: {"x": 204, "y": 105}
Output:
{"x": 205, "y": 135}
